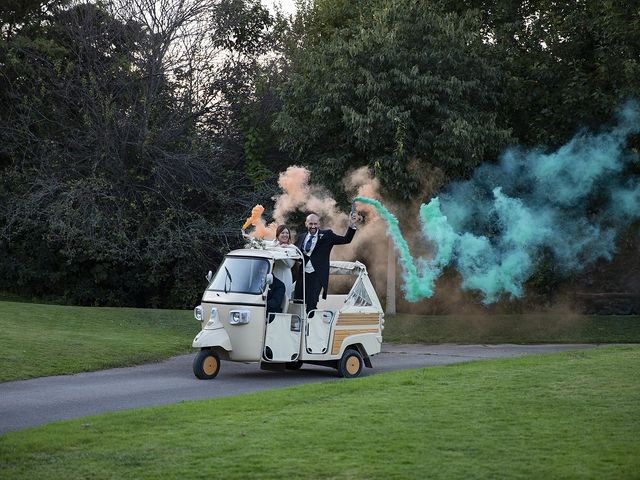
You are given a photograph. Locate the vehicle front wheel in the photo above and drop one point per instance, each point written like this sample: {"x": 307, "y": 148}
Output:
{"x": 206, "y": 365}
{"x": 350, "y": 365}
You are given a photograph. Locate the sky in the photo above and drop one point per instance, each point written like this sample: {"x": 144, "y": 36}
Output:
{"x": 287, "y": 5}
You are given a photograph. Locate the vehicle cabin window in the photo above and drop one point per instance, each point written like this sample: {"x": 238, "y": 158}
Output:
{"x": 358, "y": 296}
{"x": 241, "y": 275}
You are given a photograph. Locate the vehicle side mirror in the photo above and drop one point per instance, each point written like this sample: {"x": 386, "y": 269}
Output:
{"x": 209, "y": 276}
{"x": 268, "y": 279}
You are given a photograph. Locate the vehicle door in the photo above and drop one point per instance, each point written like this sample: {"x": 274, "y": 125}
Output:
{"x": 282, "y": 338}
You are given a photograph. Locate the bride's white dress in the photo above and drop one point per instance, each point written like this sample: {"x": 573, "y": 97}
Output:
{"x": 282, "y": 271}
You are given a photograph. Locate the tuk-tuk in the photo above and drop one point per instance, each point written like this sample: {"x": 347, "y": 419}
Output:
{"x": 343, "y": 333}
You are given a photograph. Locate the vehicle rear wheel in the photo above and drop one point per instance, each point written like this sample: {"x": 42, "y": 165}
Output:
{"x": 206, "y": 365}
{"x": 350, "y": 365}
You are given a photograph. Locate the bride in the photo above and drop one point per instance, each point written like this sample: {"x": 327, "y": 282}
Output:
{"x": 282, "y": 268}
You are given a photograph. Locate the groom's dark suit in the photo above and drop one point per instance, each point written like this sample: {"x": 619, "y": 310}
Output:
{"x": 319, "y": 279}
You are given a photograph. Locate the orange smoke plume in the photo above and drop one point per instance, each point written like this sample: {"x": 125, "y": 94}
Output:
{"x": 295, "y": 190}
{"x": 262, "y": 230}
{"x": 364, "y": 185}
{"x": 298, "y": 195}
{"x": 256, "y": 213}
{"x": 268, "y": 232}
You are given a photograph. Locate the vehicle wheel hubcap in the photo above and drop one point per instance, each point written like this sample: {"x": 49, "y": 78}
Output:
{"x": 209, "y": 366}
{"x": 353, "y": 364}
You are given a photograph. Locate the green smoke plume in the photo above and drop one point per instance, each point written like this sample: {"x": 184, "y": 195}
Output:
{"x": 492, "y": 228}
{"x": 415, "y": 286}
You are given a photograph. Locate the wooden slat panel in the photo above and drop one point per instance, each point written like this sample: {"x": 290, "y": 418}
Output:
{"x": 340, "y": 335}
{"x": 347, "y": 319}
{"x": 353, "y": 331}
{"x": 358, "y": 321}
{"x": 359, "y": 315}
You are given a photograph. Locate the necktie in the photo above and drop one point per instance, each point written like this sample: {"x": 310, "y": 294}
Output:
{"x": 307, "y": 245}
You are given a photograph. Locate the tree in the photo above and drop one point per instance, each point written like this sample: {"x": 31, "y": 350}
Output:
{"x": 392, "y": 85}
{"x": 120, "y": 166}
{"x": 567, "y": 65}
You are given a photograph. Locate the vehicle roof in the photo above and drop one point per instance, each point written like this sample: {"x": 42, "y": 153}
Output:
{"x": 276, "y": 253}
{"x": 283, "y": 253}
{"x": 346, "y": 268}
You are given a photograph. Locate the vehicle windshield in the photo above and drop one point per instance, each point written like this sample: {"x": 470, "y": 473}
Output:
{"x": 241, "y": 275}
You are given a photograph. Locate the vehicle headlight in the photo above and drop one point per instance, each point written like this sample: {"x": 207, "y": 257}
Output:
{"x": 382, "y": 322}
{"x": 214, "y": 321}
{"x": 198, "y": 313}
{"x": 239, "y": 317}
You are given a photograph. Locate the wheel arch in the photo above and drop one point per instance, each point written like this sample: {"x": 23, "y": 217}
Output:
{"x": 221, "y": 351}
{"x": 362, "y": 351}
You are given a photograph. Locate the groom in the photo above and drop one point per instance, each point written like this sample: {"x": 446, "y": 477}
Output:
{"x": 316, "y": 246}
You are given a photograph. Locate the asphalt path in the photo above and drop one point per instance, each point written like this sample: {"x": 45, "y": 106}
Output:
{"x": 30, "y": 403}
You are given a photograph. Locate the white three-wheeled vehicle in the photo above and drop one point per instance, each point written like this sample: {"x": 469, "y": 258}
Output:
{"x": 343, "y": 333}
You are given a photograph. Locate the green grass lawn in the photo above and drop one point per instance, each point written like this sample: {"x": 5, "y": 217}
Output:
{"x": 39, "y": 340}
{"x": 525, "y": 328}
{"x": 573, "y": 415}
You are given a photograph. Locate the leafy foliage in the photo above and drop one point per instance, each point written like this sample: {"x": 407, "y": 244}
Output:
{"x": 568, "y": 65}
{"x": 136, "y": 136}
{"x": 118, "y": 175}
{"x": 406, "y": 86}
{"x": 395, "y": 86}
